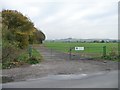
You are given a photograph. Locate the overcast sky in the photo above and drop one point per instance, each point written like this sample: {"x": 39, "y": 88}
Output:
{"x": 70, "y": 18}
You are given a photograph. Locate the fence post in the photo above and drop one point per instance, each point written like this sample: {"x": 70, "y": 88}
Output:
{"x": 104, "y": 51}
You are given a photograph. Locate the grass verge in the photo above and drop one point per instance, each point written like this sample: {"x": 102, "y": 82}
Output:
{"x": 23, "y": 59}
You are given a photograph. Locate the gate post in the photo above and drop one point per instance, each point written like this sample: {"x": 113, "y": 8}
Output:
{"x": 30, "y": 50}
{"x": 104, "y": 51}
{"x": 51, "y": 52}
{"x": 70, "y": 50}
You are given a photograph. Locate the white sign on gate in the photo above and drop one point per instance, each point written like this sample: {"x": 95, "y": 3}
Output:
{"x": 79, "y": 48}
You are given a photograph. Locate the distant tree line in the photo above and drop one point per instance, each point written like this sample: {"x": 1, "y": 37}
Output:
{"x": 85, "y": 41}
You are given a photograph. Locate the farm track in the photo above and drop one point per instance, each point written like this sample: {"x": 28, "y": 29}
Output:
{"x": 55, "y": 63}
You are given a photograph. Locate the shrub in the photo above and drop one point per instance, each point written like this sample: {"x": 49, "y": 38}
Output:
{"x": 23, "y": 40}
{"x": 9, "y": 54}
{"x": 33, "y": 60}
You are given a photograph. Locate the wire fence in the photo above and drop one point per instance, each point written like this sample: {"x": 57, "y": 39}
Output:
{"x": 74, "y": 53}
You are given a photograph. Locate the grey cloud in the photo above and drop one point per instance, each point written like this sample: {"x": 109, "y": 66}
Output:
{"x": 73, "y": 18}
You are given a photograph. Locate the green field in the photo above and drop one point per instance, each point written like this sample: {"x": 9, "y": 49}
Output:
{"x": 92, "y": 49}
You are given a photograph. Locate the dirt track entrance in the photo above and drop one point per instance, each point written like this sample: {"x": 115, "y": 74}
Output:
{"x": 58, "y": 64}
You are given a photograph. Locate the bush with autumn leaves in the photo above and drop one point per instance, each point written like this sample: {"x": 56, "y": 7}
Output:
{"x": 18, "y": 31}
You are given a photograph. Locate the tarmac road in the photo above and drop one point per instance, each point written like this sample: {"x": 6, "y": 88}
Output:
{"x": 107, "y": 79}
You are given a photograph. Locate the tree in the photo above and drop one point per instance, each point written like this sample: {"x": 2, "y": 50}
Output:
{"x": 17, "y": 33}
{"x": 102, "y": 41}
{"x": 39, "y": 36}
{"x": 20, "y": 29}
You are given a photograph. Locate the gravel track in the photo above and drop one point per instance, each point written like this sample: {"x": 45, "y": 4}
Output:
{"x": 55, "y": 63}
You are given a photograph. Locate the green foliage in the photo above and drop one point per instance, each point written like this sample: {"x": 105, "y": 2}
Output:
{"x": 23, "y": 40}
{"x": 36, "y": 57}
{"x": 17, "y": 33}
{"x": 18, "y": 28}
{"x": 112, "y": 55}
{"x": 21, "y": 59}
{"x": 108, "y": 57}
{"x": 39, "y": 36}
{"x": 16, "y": 20}
{"x": 33, "y": 60}
{"x": 9, "y": 55}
